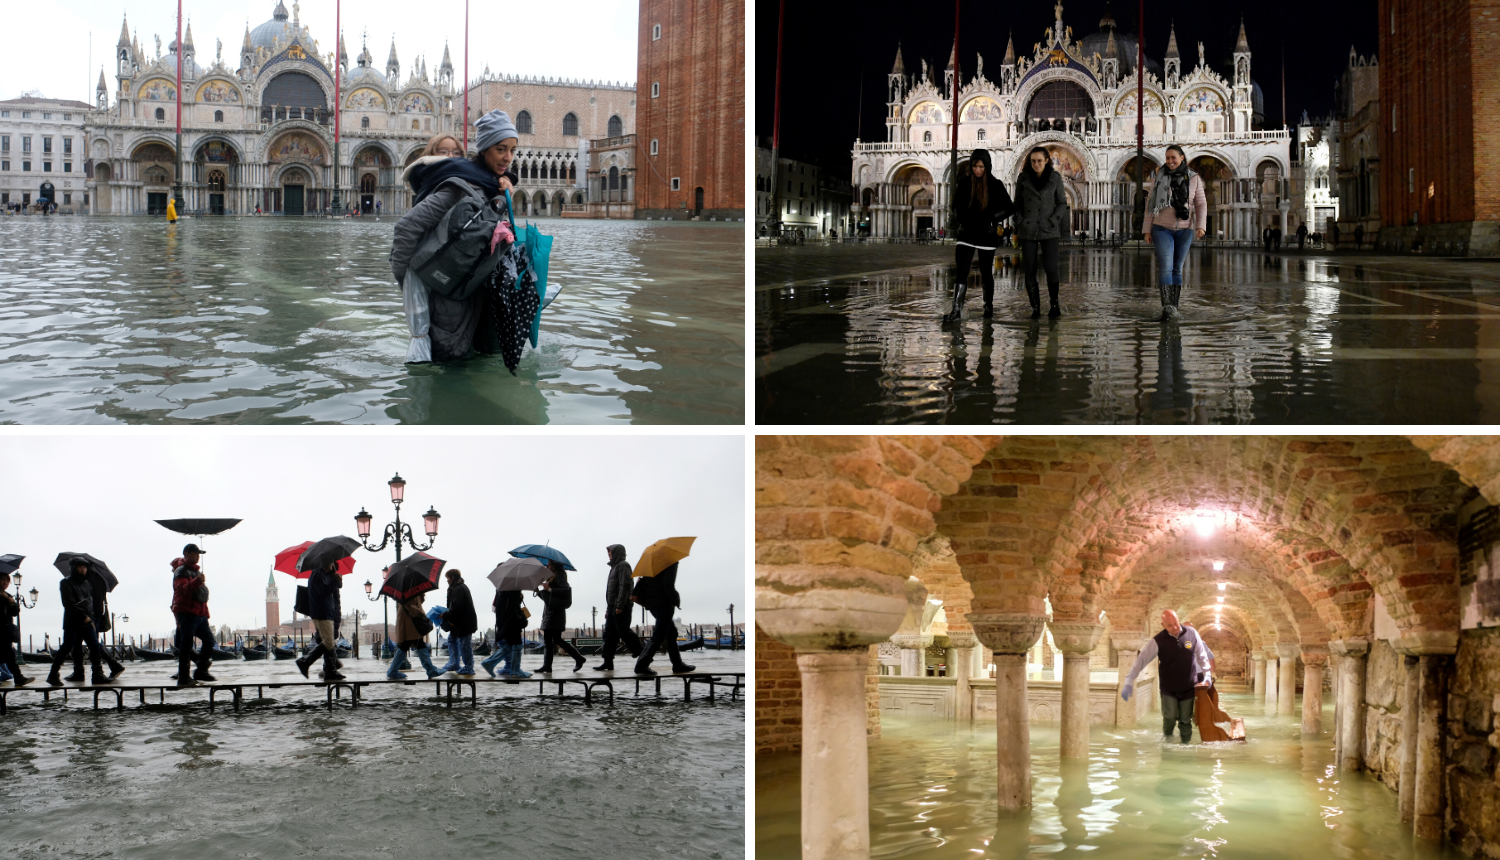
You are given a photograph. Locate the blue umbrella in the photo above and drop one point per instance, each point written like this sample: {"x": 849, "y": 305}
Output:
{"x": 545, "y": 553}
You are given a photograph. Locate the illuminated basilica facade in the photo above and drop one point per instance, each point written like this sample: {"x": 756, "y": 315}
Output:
{"x": 1078, "y": 99}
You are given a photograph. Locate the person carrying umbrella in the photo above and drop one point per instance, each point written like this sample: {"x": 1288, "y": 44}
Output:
{"x": 78, "y": 624}
{"x": 617, "y": 609}
{"x": 412, "y": 628}
{"x": 324, "y": 610}
{"x": 510, "y": 578}
{"x": 461, "y": 621}
{"x": 558, "y": 596}
{"x": 659, "y": 595}
{"x": 190, "y": 608}
{"x": 9, "y": 633}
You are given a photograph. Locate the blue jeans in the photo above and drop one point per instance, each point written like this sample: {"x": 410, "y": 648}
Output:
{"x": 460, "y": 655}
{"x": 1171, "y": 251}
{"x": 423, "y": 655}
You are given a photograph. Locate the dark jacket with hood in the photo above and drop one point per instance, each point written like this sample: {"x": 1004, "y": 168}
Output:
{"x": 9, "y": 610}
{"x": 555, "y": 617}
{"x": 976, "y": 224}
{"x": 77, "y": 601}
{"x": 617, "y": 590}
{"x": 323, "y": 595}
{"x": 461, "y": 618}
{"x": 186, "y": 580}
{"x": 509, "y": 622}
{"x": 1041, "y": 212}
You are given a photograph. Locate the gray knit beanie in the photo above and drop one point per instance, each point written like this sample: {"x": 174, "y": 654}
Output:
{"x": 494, "y": 127}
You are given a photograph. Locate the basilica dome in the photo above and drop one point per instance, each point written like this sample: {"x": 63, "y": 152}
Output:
{"x": 1125, "y": 45}
{"x": 279, "y": 27}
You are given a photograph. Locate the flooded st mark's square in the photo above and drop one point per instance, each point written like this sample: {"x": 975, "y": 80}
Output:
{"x": 1285, "y": 339}
{"x": 271, "y": 320}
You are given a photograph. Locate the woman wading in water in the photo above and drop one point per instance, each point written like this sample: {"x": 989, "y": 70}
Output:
{"x": 984, "y": 205}
{"x": 1176, "y": 214}
{"x": 1041, "y": 211}
{"x": 442, "y": 328}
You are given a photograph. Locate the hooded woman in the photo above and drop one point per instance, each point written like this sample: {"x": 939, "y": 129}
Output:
{"x": 1176, "y": 214}
{"x": 558, "y": 596}
{"x": 1041, "y": 210}
{"x": 983, "y": 203}
{"x": 445, "y": 329}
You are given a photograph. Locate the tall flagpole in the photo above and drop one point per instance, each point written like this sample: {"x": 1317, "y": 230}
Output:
{"x": 1140, "y": 119}
{"x": 177, "y": 184}
{"x": 338, "y": 27}
{"x": 773, "y": 221}
{"x": 466, "y": 77}
{"x": 953, "y": 154}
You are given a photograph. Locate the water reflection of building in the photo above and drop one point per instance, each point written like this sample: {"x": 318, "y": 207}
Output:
{"x": 1076, "y": 98}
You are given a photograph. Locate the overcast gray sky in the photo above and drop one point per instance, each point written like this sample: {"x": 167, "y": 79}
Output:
{"x": 101, "y": 495}
{"x": 589, "y": 39}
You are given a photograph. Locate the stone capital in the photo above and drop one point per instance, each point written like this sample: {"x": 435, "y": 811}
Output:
{"x": 962, "y": 639}
{"x": 1288, "y": 650}
{"x": 1007, "y": 633}
{"x": 1349, "y": 647}
{"x": 1126, "y": 643}
{"x": 1315, "y": 655}
{"x": 912, "y": 641}
{"x": 1072, "y": 638}
{"x": 1258, "y": 657}
{"x": 832, "y": 662}
{"x": 1270, "y": 653}
{"x": 1426, "y": 643}
{"x": 827, "y": 607}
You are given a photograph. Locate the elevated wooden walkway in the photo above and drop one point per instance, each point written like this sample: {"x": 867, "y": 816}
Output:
{"x": 445, "y": 684}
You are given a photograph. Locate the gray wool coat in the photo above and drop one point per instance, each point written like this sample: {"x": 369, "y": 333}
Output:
{"x": 1040, "y": 214}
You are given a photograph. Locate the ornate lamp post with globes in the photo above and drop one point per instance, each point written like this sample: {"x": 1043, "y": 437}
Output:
{"x": 16, "y": 578}
{"x": 398, "y": 532}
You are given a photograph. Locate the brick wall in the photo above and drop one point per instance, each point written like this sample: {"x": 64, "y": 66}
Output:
{"x": 778, "y": 696}
{"x": 1230, "y": 654}
{"x": 698, "y": 118}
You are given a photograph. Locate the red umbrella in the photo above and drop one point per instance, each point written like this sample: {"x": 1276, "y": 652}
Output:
{"x": 286, "y": 561}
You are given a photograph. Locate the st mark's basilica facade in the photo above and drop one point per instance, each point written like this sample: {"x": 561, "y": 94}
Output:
{"x": 257, "y": 130}
{"x": 1077, "y": 98}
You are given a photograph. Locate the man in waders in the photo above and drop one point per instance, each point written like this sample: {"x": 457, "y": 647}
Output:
{"x": 1183, "y": 660}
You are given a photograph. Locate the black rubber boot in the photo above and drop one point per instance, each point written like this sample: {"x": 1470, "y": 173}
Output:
{"x": 960, "y": 292}
{"x": 989, "y": 300}
{"x": 676, "y": 658}
{"x": 1168, "y": 310}
{"x": 643, "y": 665}
{"x": 77, "y": 676}
{"x": 304, "y": 663}
{"x": 1177, "y": 296}
{"x": 202, "y": 675}
{"x": 54, "y": 678}
{"x": 184, "y": 677}
{"x": 1034, "y": 293}
{"x": 98, "y": 676}
{"x": 116, "y": 668}
{"x": 1056, "y": 309}
{"x": 330, "y": 665}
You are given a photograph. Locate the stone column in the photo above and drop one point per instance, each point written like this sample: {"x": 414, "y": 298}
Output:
{"x": 1433, "y": 650}
{"x": 1128, "y": 650}
{"x": 962, "y": 663}
{"x": 1008, "y": 636}
{"x": 1410, "y": 705}
{"x": 1286, "y": 673}
{"x": 832, "y": 617}
{"x": 1259, "y": 678}
{"x": 1314, "y": 658}
{"x": 1272, "y": 691}
{"x": 1076, "y": 642}
{"x": 1352, "y": 701}
{"x": 913, "y": 654}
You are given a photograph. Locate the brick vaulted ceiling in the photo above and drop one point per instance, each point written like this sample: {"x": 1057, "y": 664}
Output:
{"x": 1307, "y": 527}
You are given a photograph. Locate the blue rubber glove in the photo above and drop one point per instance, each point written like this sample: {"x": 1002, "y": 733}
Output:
{"x": 1125, "y": 693}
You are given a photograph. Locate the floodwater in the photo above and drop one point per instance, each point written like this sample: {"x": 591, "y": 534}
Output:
{"x": 1321, "y": 340}
{"x": 272, "y": 320}
{"x": 520, "y": 776}
{"x": 1273, "y": 796}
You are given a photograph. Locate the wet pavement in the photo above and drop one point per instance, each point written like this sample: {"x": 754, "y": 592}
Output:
{"x": 518, "y": 776}
{"x": 1283, "y": 339}
{"x": 270, "y": 320}
{"x": 1276, "y": 795}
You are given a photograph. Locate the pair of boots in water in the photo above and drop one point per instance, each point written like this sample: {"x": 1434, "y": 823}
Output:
{"x": 1033, "y": 292}
{"x": 1171, "y": 295}
{"x": 98, "y": 677}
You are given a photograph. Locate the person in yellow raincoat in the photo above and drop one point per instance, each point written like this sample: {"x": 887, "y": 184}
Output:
{"x": 171, "y": 209}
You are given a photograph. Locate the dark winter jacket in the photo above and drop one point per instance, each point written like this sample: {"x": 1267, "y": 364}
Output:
{"x": 426, "y": 213}
{"x": 617, "y": 590}
{"x": 509, "y": 622}
{"x": 976, "y": 224}
{"x": 557, "y": 593}
{"x": 1040, "y": 213}
{"x": 77, "y": 601}
{"x": 323, "y": 595}
{"x": 461, "y": 618}
{"x": 663, "y": 596}
{"x": 9, "y": 610}
{"x": 186, "y": 580}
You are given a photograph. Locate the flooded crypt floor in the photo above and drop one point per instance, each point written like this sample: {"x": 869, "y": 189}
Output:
{"x": 1263, "y": 339}
{"x": 932, "y": 795}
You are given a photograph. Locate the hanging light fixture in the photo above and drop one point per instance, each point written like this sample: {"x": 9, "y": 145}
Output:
{"x": 1218, "y": 566}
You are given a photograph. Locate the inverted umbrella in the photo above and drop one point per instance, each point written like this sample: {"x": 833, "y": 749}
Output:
{"x": 199, "y": 525}
{"x": 286, "y": 561}
{"x": 413, "y": 575}
{"x": 545, "y": 553}
{"x": 10, "y": 563}
{"x": 663, "y": 554}
{"x": 519, "y": 574}
{"x": 99, "y": 572}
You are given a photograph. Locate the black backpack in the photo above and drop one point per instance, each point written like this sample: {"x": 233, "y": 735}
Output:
{"x": 454, "y": 258}
{"x": 562, "y": 597}
{"x": 647, "y": 591}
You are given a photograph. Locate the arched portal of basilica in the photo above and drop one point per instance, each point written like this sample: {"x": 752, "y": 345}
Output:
{"x": 1079, "y": 100}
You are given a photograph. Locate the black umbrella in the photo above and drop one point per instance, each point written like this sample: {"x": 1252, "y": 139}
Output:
{"x": 99, "y": 572}
{"x": 10, "y": 563}
{"x": 199, "y": 525}
{"x": 329, "y": 549}
{"x": 413, "y": 575}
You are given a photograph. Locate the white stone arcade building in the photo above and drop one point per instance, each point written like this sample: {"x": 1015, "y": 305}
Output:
{"x": 1078, "y": 99}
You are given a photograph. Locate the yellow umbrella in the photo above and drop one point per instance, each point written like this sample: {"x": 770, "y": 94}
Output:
{"x": 663, "y": 554}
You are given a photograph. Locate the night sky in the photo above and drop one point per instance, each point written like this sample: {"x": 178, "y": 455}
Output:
{"x": 832, "y": 47}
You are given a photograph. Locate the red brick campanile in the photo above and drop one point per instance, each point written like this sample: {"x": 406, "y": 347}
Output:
{"x": 1440, "y": 145}
{"x": 273, "y": 606}
{"x": 690, "y": 100}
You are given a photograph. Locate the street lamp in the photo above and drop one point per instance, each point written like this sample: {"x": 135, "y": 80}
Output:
{"x": 16, "y": 578}
{"x": 399, "y": 532}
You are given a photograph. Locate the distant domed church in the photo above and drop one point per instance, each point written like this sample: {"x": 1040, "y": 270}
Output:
{"x": 1078, "y": 100}
{"x": 261, "y": 135}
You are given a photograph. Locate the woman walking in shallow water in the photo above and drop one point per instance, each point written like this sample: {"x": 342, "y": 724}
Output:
{"x": 1041, "y": 211}
{"x": 983, "y": 203}
{"x": 1176, "y": 214}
